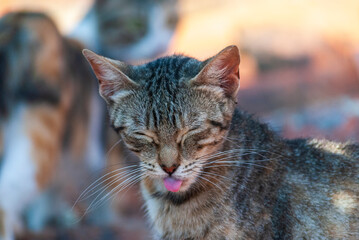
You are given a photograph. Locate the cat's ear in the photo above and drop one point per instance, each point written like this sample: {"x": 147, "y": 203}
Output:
{"x": 222, "y": 71}
{"x": 110, "y": 74}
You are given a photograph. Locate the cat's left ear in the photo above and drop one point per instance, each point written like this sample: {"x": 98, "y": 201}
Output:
{"x": 222, "y": 71}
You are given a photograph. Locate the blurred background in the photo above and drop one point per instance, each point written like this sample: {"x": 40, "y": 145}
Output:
{"x": 299, "y": 73}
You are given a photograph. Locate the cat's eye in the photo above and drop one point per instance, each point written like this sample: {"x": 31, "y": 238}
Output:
{"x": 147, "y": 136}
{"x": 183, "y": 135}
{"x": 200, "y": 147}
{"x": 141, "y": 135}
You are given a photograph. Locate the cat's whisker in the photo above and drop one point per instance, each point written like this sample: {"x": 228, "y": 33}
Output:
{"x": 227, "y": 160}
{"x": 201, "y": 177}
{"x": 115, "y": 177}
{"x": 238, "y": 164}
{"x": 239, "y": 160}
{"x": 128, "y": 187}
{"x": 115, "y": 193}
{"x": 117, "y": 190}
{"x": 103, "y": 179}
{"x": 214, "y": 174}
{"x": 221, "y": 157}
{"x": 113, "y": 147}
{"x": 91, "y": 186}
{"x": 235, "y": 156}
{"x": 223, "y": 152}
{"x": 103, "y": 190}
{"x": 96, "y": 202}
{"x": 231, "y": 151}
{"x": 220, "y": 160}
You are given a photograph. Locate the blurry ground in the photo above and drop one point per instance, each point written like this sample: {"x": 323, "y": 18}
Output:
{"x": 299, "y": 71}
{"x": 311, "y": 94}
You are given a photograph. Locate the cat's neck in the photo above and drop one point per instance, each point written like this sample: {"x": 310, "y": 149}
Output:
{"x": 247, "y": 130}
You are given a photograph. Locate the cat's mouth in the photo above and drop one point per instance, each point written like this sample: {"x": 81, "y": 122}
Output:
{"x": 172, "y": 184}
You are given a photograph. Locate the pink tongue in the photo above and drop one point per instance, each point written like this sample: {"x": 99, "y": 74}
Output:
{"x": 172, "y": 184}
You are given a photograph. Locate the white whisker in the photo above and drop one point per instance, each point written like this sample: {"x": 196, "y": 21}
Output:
{"x": 209, "y": 181}
{"x": 95, "y": 203}
{"x": 91, "y": 186}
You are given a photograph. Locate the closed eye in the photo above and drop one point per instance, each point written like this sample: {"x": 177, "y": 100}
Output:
{"x": 183, "y": 136}
{"x": 205, "y": 141}
{"x": 143, "y": 136}
{"x": 199, "y": 138}
{"x": 211, "y": 141}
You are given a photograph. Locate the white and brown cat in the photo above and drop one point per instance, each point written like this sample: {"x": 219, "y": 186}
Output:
{"x": 45, "y": 117}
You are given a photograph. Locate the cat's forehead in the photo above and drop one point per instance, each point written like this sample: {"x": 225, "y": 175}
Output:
{"x": 165, "y": 101}
{"x": 175, "y": 68}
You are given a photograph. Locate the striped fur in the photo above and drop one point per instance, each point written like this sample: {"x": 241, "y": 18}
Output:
{"x": 240, "y": 180}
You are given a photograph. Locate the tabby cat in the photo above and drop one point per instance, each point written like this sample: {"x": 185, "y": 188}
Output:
{"x": 210, "y": 171}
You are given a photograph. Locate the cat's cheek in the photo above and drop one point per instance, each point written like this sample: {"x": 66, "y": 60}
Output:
{"x": 187, "y": 184}
{"x": 202, "y": 152}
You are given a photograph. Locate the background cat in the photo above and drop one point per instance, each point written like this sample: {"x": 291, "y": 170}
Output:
{"x": 131, "y": 30}
{"x": 49, "y": 134}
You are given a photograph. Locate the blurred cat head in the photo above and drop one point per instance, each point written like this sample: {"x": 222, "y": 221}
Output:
{"x": 172, "y": 112}
{"x": 134, "y": 30}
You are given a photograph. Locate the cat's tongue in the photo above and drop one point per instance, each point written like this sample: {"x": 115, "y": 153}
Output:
{"x": 172, "y": 184}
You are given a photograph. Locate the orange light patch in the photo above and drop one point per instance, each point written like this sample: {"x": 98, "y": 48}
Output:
{"x": 45, "y": 127}
{"x": 79, "y": 138}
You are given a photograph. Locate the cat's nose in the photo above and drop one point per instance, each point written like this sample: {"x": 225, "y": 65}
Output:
{"x": 169, "y": 170}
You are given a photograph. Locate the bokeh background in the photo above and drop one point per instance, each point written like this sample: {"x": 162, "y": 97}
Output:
{"x": 299, "y": 73}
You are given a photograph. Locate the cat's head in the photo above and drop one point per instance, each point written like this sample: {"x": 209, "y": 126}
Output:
{"x": 172, "y": 112}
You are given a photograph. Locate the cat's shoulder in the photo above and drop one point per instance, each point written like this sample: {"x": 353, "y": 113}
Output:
{"x": 321, "y": 160}
{"x": 325, "y": 148}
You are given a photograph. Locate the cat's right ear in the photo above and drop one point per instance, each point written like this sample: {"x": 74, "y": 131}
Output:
{"x": 113, "y": 82}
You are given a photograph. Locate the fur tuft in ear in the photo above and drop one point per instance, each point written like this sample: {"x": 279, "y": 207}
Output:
{"x": 114, "y": 83}
{"x": 222, "y": 71}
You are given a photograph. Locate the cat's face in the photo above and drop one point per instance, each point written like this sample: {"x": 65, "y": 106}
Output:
{"x": 171, "y": 112}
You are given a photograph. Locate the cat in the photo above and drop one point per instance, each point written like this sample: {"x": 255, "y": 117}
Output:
{"x": 210, "y": 171}
{"x": 45, "y": 117}
{"x": 124, "y": 29}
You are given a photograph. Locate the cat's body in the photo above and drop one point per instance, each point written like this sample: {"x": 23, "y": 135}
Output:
{"x": 209, "y": 171}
